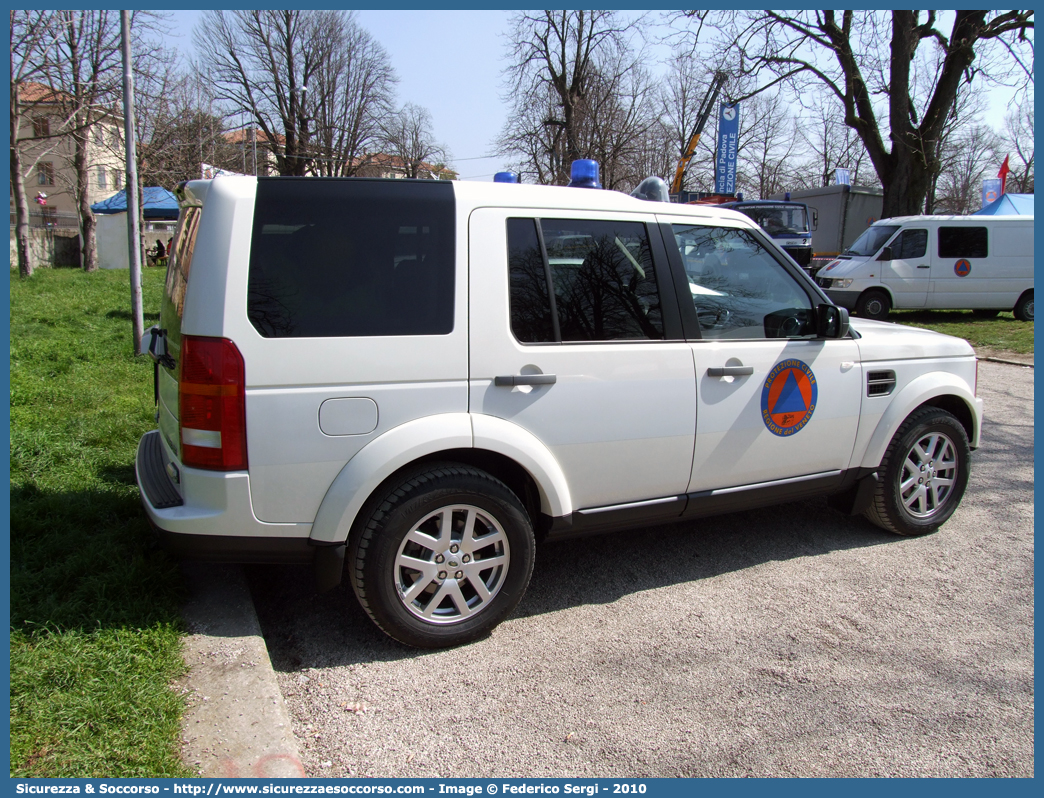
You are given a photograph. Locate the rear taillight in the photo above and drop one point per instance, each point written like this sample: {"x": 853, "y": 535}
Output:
{"x": 212, "y": 404}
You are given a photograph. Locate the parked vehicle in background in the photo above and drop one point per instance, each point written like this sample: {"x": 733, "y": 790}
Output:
{"x": 790, "y": 224}
{"x": 982, "y": 263}
{"x": 844, "y": 212}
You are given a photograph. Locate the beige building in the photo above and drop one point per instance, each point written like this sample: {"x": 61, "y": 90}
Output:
{"x": 47, "y": 155}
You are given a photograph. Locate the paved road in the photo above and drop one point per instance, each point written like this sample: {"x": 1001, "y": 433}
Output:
{"x": 782, "y": 642}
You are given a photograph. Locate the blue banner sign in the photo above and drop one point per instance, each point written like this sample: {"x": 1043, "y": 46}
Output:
{"x": 728, "y": 145}
{"x": 991, "y": 189}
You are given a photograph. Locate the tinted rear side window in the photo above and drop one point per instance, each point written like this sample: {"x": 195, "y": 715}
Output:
{"x": 963, "y": 242}
{"x": 340, "y": 258}
{"x": 602, "y": 277}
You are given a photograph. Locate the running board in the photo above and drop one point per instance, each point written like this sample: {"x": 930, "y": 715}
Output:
{"x": 665, "y": 510}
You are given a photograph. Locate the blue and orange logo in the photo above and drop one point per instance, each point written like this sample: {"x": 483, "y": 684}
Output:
{"x": 789, "y": 397}
{"x": 962, "y": 268}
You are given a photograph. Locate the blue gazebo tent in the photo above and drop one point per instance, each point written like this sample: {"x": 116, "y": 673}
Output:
{"x": 159, "y": 203}
{"x": 1008, "y": 205}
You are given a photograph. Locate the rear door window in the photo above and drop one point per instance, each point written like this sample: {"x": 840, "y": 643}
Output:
{"x": 345, "y": 258}
{"x": 597, "y": 283}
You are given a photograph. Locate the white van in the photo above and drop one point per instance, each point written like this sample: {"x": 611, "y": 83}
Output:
{"x": 982, "y": 263}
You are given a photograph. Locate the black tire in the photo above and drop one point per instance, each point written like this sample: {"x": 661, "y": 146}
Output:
{"x": 454, "y": 600}
{"x": 1024, "y": 307}
{"x": 932, "y": 443}
{"x": 873, "y": 304}
{"x": 985, "y": 313}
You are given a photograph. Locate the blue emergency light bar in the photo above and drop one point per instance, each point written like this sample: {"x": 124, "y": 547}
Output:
{"x": 584, "y": 174}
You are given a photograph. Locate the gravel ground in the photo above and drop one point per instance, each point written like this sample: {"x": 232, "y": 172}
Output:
{"x": 790, "y": 641}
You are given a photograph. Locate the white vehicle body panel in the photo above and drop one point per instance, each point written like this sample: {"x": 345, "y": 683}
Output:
{"x": 626, "y": 422}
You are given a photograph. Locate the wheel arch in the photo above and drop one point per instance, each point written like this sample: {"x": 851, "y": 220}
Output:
{"x": 876, "y": 287}
{"x": 937, "y": 389}
{"x": 506, "y": 451}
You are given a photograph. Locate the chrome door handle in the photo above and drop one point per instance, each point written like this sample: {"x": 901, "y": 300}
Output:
{"x": 730, "y": 371}
{"x": 525, "y": 379}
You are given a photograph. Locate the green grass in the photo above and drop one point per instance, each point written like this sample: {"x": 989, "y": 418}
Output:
{"x": 95, "y": 632}
{"x": 1002, "y": 332}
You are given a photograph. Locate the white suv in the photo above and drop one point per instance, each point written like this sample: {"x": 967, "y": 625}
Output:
{"x": 427, "y": 377}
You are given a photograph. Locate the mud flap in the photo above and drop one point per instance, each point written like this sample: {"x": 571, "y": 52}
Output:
{"x": 329, "y": 567}
{"x": 857, "y": 498}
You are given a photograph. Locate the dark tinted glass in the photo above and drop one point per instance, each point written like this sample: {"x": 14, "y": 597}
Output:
{"x": 911, "y": 244}
{"x": 179, "y": 263}
{"x": 530, "y": 305}
{"x": 333, "y": 258}
{"x": 963, "y": 242}
{"x": 603, "y": 278}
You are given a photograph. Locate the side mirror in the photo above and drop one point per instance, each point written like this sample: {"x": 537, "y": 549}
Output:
{"x": 815, "y": 219}
{"x": 886, "y": 254}
{"x": 831, "y": 321}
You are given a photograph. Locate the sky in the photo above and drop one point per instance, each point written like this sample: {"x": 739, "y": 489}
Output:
{"x": 451, "y": 62}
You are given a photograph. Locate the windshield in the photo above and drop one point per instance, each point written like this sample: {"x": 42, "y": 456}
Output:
{"x": 778, "y": 220}
{"x": 872, "y": 239}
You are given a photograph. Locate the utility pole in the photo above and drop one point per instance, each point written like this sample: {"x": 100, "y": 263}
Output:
{"x": 133, "y": 230}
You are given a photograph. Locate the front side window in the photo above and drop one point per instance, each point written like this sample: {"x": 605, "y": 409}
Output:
{"x": 738, "y": 288}
{"x": 872, "y": 239}
{"x": 963, "y": 242}
{"x": 597, "y": 283}
{"x": 910, "y": 244}
{"x": 348, "y": 258}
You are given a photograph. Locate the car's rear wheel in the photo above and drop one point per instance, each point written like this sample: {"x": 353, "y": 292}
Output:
{"x": 873, "y": 304}
{"x": 445, "y": 556}
{"x": 923, "y": 474}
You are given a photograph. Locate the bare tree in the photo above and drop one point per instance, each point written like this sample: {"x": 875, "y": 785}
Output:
{"x": 969, "y": 156}
{"x": 831, "y": 145}
{"x": 951, "y": 144}
{"x": 351, "y": 96}
{"x": 767, "y": 146}
{"x": 1018, "y": 139}
{"x": 859, "y": 56}
{"x": 84, "y": 69}
{"x": 408, "y": 136}
{"x": 312, "y": 81}
{"x": 682, "y": 94}
{"x": 30, "y": 38}
{"x": 577, "y": 91}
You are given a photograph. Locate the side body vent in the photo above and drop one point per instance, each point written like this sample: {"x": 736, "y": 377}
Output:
{"x": 880, "y": 383}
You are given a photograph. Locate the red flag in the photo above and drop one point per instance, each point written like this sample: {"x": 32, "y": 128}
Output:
{"x": 1003, "y": 173}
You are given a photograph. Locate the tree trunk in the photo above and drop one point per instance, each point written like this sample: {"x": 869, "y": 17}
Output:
{"x": 905, "y": 188}
{"x": 25, "y": 266}
{"x": 88, "y": 239}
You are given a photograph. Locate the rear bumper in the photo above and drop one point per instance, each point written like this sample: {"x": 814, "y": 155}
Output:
{"x": 207, "y": 514}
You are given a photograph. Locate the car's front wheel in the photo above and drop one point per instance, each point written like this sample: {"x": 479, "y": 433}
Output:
{"x": 923, "y": 475}
{"x": 444, "y": 557}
